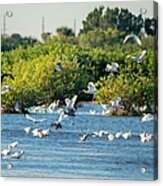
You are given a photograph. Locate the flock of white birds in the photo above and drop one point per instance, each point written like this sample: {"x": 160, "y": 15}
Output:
{"x": 70, "y": 110}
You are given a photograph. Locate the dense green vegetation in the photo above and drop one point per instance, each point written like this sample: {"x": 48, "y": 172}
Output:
{"x": 83, "y": 58}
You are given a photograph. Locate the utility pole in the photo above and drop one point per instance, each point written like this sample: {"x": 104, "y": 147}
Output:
{"x": 43, "y": 24}
{"x": 4, "y": 25}
{"x": 75, "y": 27}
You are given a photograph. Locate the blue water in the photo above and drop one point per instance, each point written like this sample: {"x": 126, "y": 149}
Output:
{"x": 60, "y": 155}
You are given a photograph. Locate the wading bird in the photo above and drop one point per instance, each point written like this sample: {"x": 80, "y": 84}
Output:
{"x": 116, "y": 103}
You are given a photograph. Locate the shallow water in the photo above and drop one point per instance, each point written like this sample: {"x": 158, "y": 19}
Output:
{"x": 60, "y": 154}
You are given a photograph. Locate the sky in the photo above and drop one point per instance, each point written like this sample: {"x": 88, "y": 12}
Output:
{"x": 26, "y": 19}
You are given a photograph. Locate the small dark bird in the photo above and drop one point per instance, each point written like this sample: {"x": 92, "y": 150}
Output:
{"x": 84, "y": 137}
{"x": 19, "y": 108}
{"x": 4, "y": 75}
{"x": 56, "y": 125}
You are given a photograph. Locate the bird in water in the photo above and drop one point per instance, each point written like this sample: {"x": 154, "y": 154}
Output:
{"x": 17, "y": 155}
{"x": 127, "y": 135}
{"x": 5, "y": 153}
{"x": 111, "y": 136}
{"x": 147, "y": 117}
{"x": 27, "y": 130}
{"x": 13, "y": 145}
{"x": 84, "y": 137}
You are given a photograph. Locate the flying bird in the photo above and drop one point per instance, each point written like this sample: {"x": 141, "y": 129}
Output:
{"x": 84, "y": 137}
{"x": 133, "y": 37}
{"x": 13, "y": 145}
{"x": 58, "y": 67}
{"x": 91, "y": 88}
{"x": 138, "y": 58}
{"x": 5, "y": 89}
{"x": 70, "y": 106}
{"x": 4, "y": 75}
{"x": 112, "y": 68}
{"x": 57, "y": 124}
{"x": 34, "y": 120}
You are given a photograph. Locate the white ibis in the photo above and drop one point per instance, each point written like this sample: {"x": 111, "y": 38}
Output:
{"x": 84, "y": 137}
{"x": 127, "y": 135}
{"x": 147, "y": 117}
{"x": 5, "y": 89}
{"x": 17, "y": 155}
{"x": 13, "y": 145}
{"x": 138, "y": 58}
{"x": 34, "y": 120}
{"x": 70, "y": 106}
{"x": 133, "y": 37}
{"x": 112, "y": 68}
{"x": 118, "y": 134}
{"x": 28, "y": 130}
{"x": 91, "y": 88}
{"x": 111, "y": 137}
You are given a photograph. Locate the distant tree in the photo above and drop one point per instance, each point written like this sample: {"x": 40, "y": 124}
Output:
{"x": 65, "y": 31}
{"x": 45, "y": 36}
{"x": 15, "y": 40}
{"x": 121, "y": 19}
{"x": 93, "y": 20}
